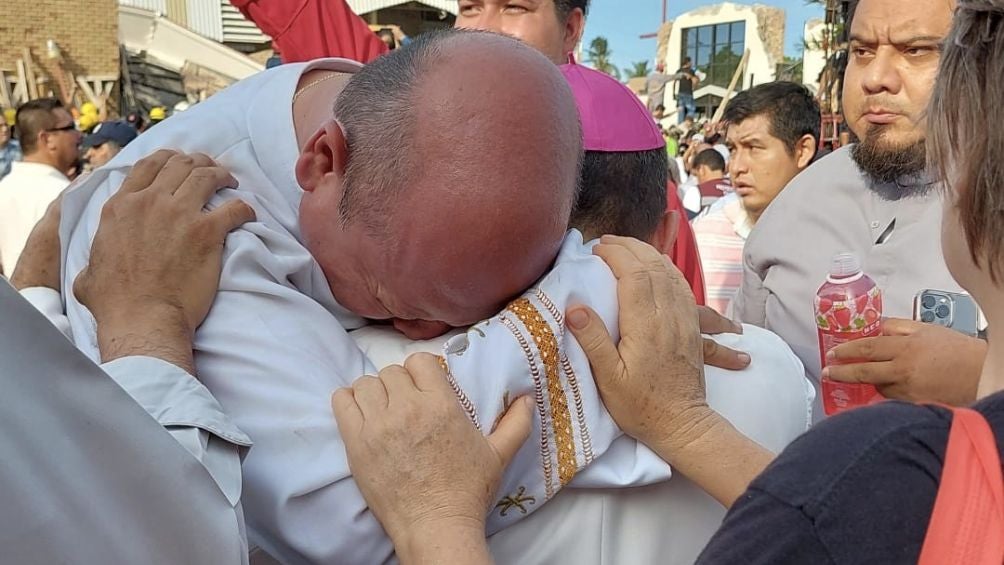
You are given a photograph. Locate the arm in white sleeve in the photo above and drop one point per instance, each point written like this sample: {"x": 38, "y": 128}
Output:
{"x": 186, "y": 409}
{"x": 272, "y": 356}
{"x": 49, "y": 302}
{"x": 190, "y": 414}
{"x": 174, "y": 398}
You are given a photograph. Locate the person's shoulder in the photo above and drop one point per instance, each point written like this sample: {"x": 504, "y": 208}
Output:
{"x": 834, "y": 171}
{"x": 575, "y": 261}
{"x": 887, "y": 440}
{"x": 833, "y": 178}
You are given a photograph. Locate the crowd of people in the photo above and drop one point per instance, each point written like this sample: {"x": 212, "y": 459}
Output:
{"x": 554, "y": 335}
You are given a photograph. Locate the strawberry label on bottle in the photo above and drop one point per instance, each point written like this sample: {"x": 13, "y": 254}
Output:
{"x": 840, "y": 321}
{"x": 848, "y": 307}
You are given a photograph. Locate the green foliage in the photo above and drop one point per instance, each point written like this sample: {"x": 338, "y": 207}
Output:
{"x": 600, "y": 57}
{"x": 638, "y": 69}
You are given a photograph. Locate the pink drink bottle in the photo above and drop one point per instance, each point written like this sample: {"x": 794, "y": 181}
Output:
{"x": 848, "y": 307}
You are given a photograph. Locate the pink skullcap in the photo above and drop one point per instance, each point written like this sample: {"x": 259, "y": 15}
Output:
{"x": 613, "y": 118}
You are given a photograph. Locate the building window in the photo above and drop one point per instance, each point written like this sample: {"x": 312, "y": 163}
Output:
{"x": 716, "y": 50}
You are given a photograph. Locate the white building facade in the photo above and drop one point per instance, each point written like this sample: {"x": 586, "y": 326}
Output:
{"x": 715, "y": 38}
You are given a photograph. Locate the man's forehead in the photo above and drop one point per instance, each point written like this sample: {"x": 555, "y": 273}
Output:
{"x": 901, "y": 21}
{"x": 525, "y": 3}
{"x": 752, "y": 128}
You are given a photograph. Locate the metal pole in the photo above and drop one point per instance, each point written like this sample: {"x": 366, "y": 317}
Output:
{"x": 664, "y": 14}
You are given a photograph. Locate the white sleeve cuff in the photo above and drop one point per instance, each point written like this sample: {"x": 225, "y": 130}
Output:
{"x": 173, "y": 397}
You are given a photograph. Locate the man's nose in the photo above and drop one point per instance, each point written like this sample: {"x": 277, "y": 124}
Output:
{"x": 737, "y": 164}
{"x": 883, "y": 72}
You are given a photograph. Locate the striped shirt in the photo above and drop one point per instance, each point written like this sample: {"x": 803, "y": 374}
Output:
{"x": 721, "y": 235}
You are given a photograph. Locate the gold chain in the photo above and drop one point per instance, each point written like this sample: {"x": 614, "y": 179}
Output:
{"x": 313, "y": 84}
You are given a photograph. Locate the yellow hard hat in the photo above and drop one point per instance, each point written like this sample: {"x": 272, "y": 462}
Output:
{"x": 10, "y": 116}
{"x": 86, "y": 122}
{"x": 158, "y": 113}
{"x": 89, "y": 109}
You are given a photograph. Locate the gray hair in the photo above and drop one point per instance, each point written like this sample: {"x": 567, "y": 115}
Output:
{"x": 965, "y": 140}
{"x": 377, "y": 116}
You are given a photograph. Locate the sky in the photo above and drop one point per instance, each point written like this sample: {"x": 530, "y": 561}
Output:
{"x": 622, "y": 21}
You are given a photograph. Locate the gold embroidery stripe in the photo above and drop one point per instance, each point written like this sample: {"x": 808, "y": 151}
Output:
{"x": 538, "y": 391}
{"x": 580, "y": 413}
{"x": 561, "y": 420}
{"x": 465, "y": 402}
{"x": 573, "y": 381}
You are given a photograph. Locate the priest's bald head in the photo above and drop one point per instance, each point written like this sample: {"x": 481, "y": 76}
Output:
{"x": 443, "y": 186}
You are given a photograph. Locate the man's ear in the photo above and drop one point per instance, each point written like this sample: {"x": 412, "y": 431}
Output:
{"x": 326, "y": 152}
{"x": 42, "y": 139}
{"x": 664, "y": 238}
{"x": 805, "y": 150}
{"x": 574, "y": 26}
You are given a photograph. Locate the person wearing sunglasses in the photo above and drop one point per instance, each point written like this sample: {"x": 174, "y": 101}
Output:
{"x": 50, "y": 142}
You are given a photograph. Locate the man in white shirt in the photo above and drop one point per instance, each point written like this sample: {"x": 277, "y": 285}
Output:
{"x": 275, "y": 344}
{"x": 49, "y": 140}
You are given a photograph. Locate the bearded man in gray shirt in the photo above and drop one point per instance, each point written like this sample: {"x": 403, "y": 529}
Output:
{"x": 873, "y": 199}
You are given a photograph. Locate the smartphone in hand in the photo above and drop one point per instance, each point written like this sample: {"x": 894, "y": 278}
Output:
{"x": 951, "y": 310}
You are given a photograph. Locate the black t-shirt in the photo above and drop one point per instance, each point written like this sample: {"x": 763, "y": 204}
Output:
{"x": 686, "y": 84}
{"x": 858, "y": 488}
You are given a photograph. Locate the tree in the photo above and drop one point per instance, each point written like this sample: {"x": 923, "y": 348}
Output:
{"x": 600, "y": 56}
{"x": 639, "y": 69}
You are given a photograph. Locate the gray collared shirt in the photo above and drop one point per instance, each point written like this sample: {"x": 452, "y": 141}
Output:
{"x": 135, "y": 463}
{"x": 829, "y": 209}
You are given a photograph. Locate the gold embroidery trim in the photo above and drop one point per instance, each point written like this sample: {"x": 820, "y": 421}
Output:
{"x": 462, "y": 398}
{"x": 538, "y": 393}
{"x": 561, "y": 420}
{"x": 573, "y": 381}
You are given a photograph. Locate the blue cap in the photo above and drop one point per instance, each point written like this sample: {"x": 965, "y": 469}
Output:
{"x": 119, "y": 132}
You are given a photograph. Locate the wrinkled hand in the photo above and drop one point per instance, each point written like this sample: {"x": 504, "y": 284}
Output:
{"x": 415, "y": 455}
{"x": 38, "y": 264}
{"x": 652, "y": 382}
{"x": 155, "y": 245}
{"x": 913, "y": 361}
{"x": 716, "y": 354}
{"x": 156, "y": 257}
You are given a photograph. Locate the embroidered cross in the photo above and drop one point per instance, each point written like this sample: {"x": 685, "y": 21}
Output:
{"x": 518, "y": 500}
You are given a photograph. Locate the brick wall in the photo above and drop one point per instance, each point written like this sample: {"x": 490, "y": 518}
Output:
{"x": 86, "y": 31}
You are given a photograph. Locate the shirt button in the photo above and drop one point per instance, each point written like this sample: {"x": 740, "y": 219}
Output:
{"x": 875, "y": 225}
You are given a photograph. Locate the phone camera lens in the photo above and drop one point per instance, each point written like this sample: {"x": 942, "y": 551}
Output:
{"x": 928, "y": 302}
{"x": 942, "y": 311}
{"x": 927, "y": 317}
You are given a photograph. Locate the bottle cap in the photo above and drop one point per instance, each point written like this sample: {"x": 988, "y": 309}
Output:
{"x": 844, "y": 265}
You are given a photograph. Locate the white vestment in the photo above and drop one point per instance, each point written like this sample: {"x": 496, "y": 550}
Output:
{"x": 274, "y": 345}
{"x": 668, "y": 522}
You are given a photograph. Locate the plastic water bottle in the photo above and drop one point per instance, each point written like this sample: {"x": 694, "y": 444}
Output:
{"x": 848, "y": 307}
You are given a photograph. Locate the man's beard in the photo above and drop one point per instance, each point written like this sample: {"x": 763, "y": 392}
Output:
{"x": 894, "y": 171}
